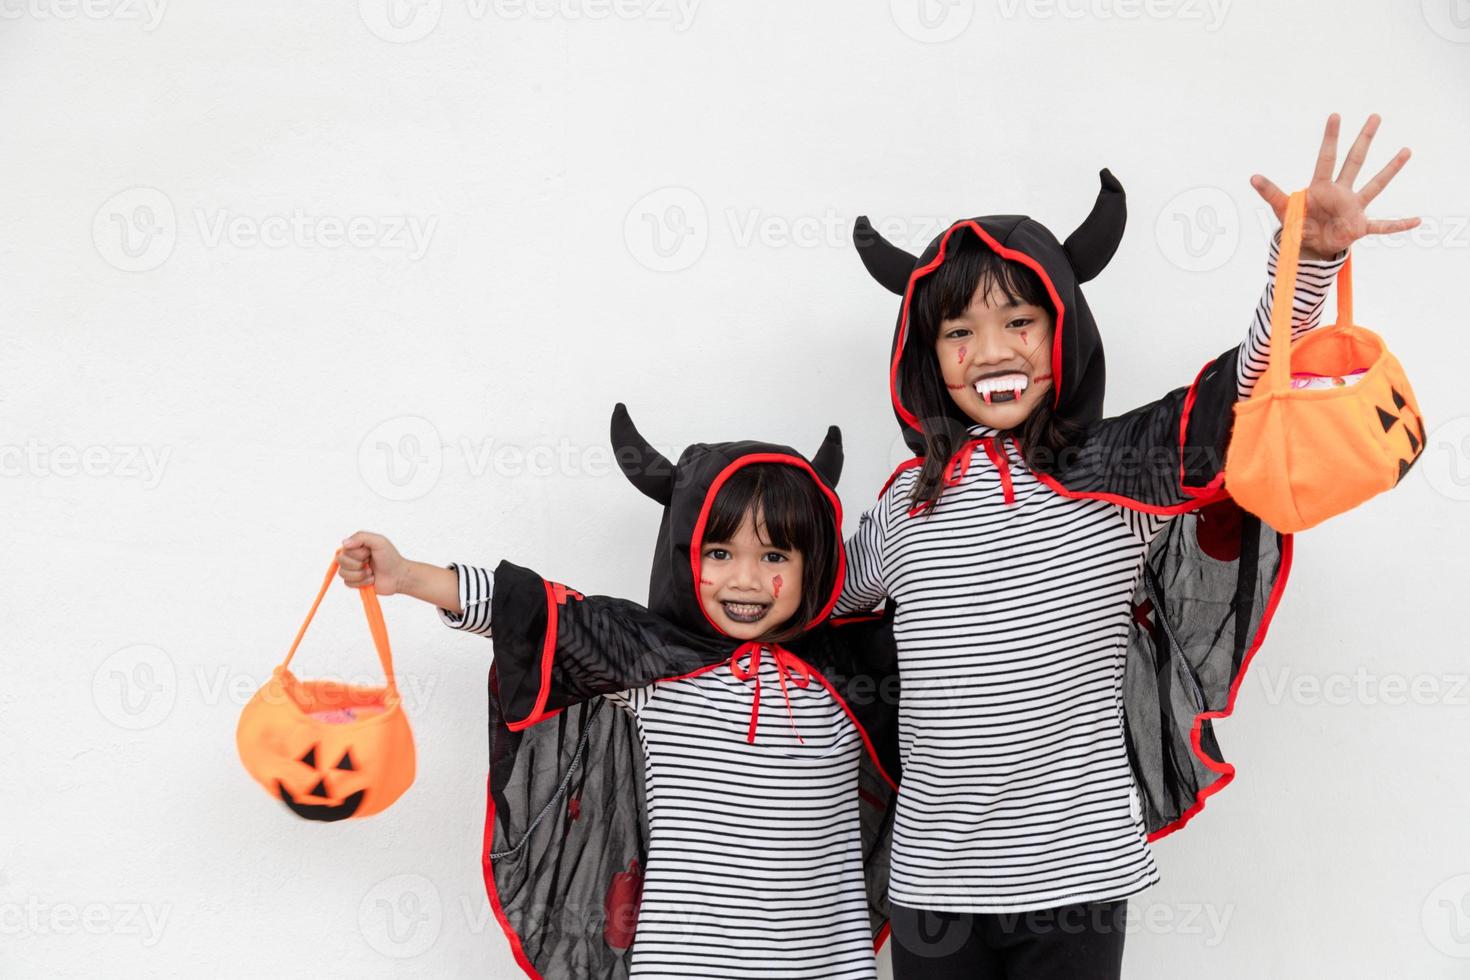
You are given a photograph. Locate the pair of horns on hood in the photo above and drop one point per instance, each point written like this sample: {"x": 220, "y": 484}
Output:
{"x": 651, "y": 472}
{"x": 1089, "y": 248}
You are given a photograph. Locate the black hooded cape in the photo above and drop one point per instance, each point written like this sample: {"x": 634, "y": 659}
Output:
{"x": 1212, "y": 578}
{"x": 566, "y": 828}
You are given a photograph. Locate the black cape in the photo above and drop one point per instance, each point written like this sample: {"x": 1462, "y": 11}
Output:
{"x": 1212, "y": 578}
{"x": 566, "y": 828}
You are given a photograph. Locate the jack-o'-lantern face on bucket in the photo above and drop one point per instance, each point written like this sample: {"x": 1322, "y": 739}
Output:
{"x": 1404, "y": 413}
{"x": 327, "y": 750}
{"x": 327, "y": 799}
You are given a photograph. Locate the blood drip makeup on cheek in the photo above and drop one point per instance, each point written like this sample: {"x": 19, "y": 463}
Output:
{"x": 776, "y": 587}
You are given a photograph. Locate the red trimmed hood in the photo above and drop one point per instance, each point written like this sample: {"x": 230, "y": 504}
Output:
{"x": 1077, "y": 351}
{"x": 687, "y": 489}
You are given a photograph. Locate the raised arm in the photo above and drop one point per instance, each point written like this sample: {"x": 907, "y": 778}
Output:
{"x": 553, "y": 646}
{"x": 1313, "y": 278}
{"x": 1336, "y": 217}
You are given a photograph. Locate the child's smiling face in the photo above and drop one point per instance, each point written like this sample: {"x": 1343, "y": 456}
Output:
{"x": 992, "y": 350}
{"x": 746, "y": 585}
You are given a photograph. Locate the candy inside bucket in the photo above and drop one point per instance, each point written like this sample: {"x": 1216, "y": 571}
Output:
{"x": 1304, "y": 380}
{"x": 341, "y": 716}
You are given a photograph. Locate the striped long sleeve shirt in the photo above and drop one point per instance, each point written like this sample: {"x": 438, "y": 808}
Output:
{"x": 1012, "y": 629}
{"x": 755, "y": 863}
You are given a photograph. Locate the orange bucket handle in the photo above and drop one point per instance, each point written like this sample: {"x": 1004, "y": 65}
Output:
{"x": 1277, "y": 377}
{"x": 374, "y": 617}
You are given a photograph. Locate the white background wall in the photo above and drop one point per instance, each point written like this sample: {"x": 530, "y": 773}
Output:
{"x": 192, "y": 417}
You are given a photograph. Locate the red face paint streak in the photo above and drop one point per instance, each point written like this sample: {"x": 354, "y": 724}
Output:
{"x": 964, "y": 353}
{"x": 705, "y": 581}
{"x": 776, "y": 586}
{"x": 955, "y": 387}
{"x": 1043, "y": 377}
{"x": 1025, "y": 338}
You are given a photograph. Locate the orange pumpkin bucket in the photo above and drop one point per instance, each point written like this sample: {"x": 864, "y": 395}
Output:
{"x": 1332, "y": 422}
{"x": 326, "y": 749}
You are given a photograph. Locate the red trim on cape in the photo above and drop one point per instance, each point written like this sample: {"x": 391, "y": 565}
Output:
{"x": 488, "y": 865}
{"x": 488, "y": 869}
{"x": 1185, "y": 507}
{"x": 1216, "y": 485}
{"x": 854, "y": 618}
{"x": 867, "y": 742}
{"x": 1005, "y": 253}
{"x": 556, "y": 593}
{"x": 907, "y": 464}
{"x": 548, "y": 651}
{"x": 1210, "y": 493}
{"x": 1226, "y": 770}
{"x": 822, "y": 679}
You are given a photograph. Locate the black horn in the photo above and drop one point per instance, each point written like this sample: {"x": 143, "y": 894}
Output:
{"x": 1092, "y": 245}
{"x": 828, "y": 460}
{"x": 645, "y": 467}
{"x": 885, "y": 261}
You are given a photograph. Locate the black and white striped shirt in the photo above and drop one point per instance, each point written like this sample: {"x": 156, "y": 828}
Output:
{"x": 1012, "y": 629}
{"x": 1313, "y": 278}
{"x": 755, "y": 864}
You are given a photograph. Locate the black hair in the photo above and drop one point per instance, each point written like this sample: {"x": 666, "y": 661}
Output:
{"x": 797, "y": 516}
{"x": 941, "y": 295}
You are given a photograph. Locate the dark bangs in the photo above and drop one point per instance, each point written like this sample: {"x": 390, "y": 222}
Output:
{"x": 798, "y": 517}
{"x": 969, "y": 264}
{"x": 946, "y": 293}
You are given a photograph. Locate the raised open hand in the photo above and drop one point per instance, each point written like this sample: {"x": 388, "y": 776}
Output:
{"x": 1336, "y": 215}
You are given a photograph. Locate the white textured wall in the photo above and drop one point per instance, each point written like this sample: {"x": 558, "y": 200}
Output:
{"x": 203, "y": 391}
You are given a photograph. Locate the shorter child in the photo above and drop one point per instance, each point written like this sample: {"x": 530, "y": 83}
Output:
{"x": 679, "y": 768}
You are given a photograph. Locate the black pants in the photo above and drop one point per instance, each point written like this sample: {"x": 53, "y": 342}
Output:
{"x": 1071, "y": 942}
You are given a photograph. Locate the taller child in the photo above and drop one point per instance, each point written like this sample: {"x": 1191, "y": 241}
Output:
{"x": 1076, "y": 600}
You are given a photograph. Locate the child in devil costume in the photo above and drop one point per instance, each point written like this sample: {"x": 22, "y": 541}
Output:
{"x": 698, "y": 774}
{"x": 1074, "y": 598}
